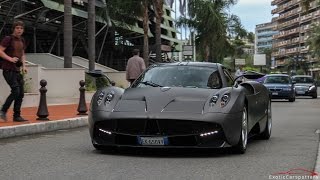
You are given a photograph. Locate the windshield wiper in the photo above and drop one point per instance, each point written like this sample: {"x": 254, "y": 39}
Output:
{"x": 150, "y": 83}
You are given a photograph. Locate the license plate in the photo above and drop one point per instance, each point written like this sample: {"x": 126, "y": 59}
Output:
{"x": 300, "y": 92}
{"x": 153, "y": 141}
{"x": 274, "y": 93}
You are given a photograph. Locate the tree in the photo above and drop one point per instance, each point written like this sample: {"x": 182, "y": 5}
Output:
{"x": 91, "y": 34}
{"x": 158, "y": 8}
{"x": 211, "y": 21}
{"x": 67, "y": 32}
{"x": 314, "y": 40}
{"x": 251, "y": 37}
{"x": 126, "y": 14}
{"x": 145, "y": 6}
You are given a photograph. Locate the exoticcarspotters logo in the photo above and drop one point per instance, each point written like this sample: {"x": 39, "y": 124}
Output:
{"x": 298, "y": 173}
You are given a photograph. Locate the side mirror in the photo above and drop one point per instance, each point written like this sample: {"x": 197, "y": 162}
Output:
{"x": 98, "y": 74}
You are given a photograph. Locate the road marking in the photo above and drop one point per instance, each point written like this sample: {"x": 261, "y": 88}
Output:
{"x": 318, "y": 131}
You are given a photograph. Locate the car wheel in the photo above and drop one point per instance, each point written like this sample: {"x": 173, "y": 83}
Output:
{"x": 98, "y": 147}
{"x": 103, "y": 148}
{"x": 242, "y": 144}
{"x": 267, "y": 131}
{"x": 315, "y": 95}
{"x": 292, "y": 99}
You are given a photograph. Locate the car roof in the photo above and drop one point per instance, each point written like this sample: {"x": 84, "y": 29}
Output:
{"x": 202, "y": 64}
{"x": 286, "y": 75}
{"x": 302, "y": 76}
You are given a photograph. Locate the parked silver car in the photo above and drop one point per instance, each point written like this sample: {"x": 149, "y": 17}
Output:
{"x": 305, "y": 86}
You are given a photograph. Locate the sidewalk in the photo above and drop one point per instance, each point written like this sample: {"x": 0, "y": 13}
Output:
{"x": 60, "y": 117}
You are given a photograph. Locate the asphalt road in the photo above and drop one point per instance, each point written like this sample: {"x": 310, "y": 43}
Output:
{"x": 70, "y": 155}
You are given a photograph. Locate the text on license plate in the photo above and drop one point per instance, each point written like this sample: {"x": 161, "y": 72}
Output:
{"x": 274, "y": 93}
{"x": 153, "y": 141}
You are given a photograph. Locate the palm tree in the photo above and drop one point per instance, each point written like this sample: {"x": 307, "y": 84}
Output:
{"x": 158, "y": 8}
{"x": 314, "y": 40}
{"x": 91, "y": 34}
{"x": 127, "y": 13}
{"x": 210, "y": 20}
{"x": 145, "y": 6}
{"x": 67, "y": 32}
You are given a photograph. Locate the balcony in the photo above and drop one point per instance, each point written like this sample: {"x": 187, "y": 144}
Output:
{"x": 292, "y": 50}
{"x": 316, "y": 14}
{"x": 290, "y": 13}
{"x": 295, "y": 40}
{"x": 305, "y": 28}
{"x": 276, "y": 2}
{"x": 275, "y": 19}
{"x": 305, "y": 49}
{"x": 289, "y": 23}
{"x": 306, "y": 17}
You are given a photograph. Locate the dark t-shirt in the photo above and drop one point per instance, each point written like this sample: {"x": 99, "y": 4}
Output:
{"x": 14, "y": 48}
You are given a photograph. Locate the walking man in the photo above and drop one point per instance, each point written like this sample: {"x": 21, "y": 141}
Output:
{"x": 14, "y": 61}
{"x": 135, "y": 66}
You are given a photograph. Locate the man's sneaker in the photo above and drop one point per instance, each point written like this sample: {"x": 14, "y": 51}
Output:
{"x": 19, "y": 119}
{"x": 3, "y": 115}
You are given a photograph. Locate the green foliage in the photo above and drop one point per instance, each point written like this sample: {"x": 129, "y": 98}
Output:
{"x": 92, "y": 84}
{"x": 210, "y": 20}
{"x": 300, "y": 72}
{"x": 249, "y": 68}
{"x": 27, "y": 87}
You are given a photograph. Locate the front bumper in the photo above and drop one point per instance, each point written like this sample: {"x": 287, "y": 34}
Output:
{"x": 282, "y": 94}
{"x": 304, "y": 91}
{"x": 179, "y": 133}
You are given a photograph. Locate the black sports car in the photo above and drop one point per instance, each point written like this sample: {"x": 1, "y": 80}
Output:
{"x": 179, "y": 105}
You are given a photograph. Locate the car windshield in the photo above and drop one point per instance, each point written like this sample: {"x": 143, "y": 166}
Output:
{"x": 180, "y": 76}
{"x": 304, "y": 79}
{"x": 277, "y": 80}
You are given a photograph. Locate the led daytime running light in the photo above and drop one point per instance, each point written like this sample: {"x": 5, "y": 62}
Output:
{"x": 208, "y": 133}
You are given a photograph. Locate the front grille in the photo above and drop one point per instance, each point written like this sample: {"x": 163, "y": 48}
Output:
{"x": 156, "y": 127}
{"x": 275, "y": 89}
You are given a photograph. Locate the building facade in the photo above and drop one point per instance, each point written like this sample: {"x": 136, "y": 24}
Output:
{"x": 114, "y": 42}
{"x": 290, "y": 48}
{"x": 263, "y": 37}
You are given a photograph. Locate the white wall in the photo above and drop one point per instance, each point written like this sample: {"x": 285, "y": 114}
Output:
{"x": 62, "y": 85}
{"x": 62, "y": 82}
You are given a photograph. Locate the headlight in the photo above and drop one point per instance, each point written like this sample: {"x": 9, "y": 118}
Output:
{"x": 311, "y": 87}
{"x": 286, "y": 89}
{"x": 109, "y": 97}
{"x": 100, "y": 97}
{"x": 225, "y": 99}
{"x": 214, "y": 100}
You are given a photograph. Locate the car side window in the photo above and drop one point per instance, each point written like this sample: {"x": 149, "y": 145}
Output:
{"x": 229, "y": 78}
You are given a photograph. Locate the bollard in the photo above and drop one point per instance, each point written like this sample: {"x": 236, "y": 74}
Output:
{"x": 82, "y": 107}
{"x": 43, "y": 108}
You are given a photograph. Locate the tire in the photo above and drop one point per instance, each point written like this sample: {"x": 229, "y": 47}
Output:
{"x": 241, "y": 147}
{"x": 267, "y": 131}
{"x": 315, "y": 96}
{"x": 292, "y": 99}
{"x": 98, "y": 147}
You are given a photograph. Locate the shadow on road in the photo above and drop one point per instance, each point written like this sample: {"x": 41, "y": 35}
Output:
{"x": 175, "y": 153}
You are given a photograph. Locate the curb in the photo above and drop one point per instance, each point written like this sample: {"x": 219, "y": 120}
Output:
{"x": 317, "y": 166}
{"x": 34, "y": 128}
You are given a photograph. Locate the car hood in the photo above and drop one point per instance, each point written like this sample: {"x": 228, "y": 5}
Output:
{"x": 303, "y": 84}
{"x": 272, "y": 85}
{"x": 163, "y": 99}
